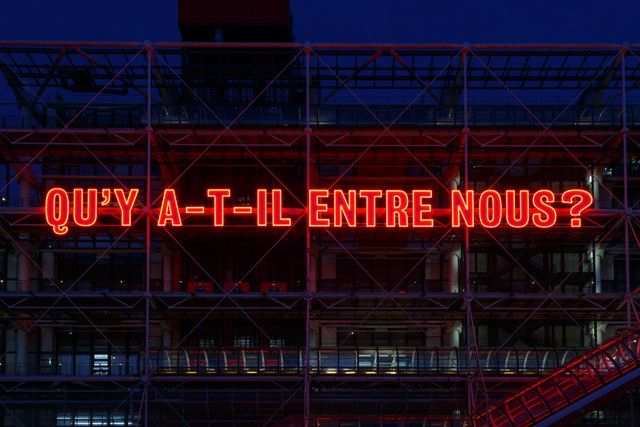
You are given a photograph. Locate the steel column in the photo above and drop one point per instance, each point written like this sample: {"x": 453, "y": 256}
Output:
{"x": 309, "y": 290}
{"x": 468, "y": 292}
{"x": 147, "y": 279}
{"x": 628, "y": 210}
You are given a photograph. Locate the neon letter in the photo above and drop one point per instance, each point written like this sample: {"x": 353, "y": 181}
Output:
{"x": 343, "y": 207}
{"x": 261, "y": 208}
{"x": 547, "y": 216}
{"x": 460, "y": 206}
{"x": 397, "y": 202}
{"x": 90, "y": 216}
{"x": 514, "y": 220}
{"x": 56, "y": 208}
{"x": 316, "y": 208}
{"x": 126, "y": 204}
{"x": 276, "y": 210}
{"x": 169, "y": 209}
{"x": 370, "y": 197}
{"x": 218, "y": 195}
{"x": 420, "y": 208}
{"x": 490, "y": 208}
{"x": 585, "y": 199}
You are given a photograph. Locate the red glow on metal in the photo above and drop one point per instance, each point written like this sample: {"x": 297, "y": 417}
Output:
{"x": 333, "y": 208}
{"x": 586, "y": 374}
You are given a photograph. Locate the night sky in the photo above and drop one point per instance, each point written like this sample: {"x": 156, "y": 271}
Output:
{"x": 385, "y": 21}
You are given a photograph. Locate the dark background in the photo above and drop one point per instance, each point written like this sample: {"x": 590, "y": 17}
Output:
{"x": 386, "y": 21}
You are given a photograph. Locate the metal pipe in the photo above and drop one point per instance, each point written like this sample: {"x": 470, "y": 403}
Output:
{"x": 308, "y": 296}
{"x": 628, "y": 210}
{"x": 147, "y": 279}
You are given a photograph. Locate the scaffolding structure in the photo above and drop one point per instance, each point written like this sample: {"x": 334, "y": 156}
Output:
{"x": 243, "y": 325}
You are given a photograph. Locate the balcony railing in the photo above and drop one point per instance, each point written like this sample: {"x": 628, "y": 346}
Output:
{"x": 427, "y": 116}
{"x": 324, "y": 286}
{"x": 386, "y": 361}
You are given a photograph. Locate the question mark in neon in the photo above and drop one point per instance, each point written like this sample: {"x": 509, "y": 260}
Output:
{"x": 580, "y": 200}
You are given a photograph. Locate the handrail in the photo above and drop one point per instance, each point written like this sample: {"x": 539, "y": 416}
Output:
{"x": 132, "y": 115}
{"x": 369, "y": 360}
{"x": 586, "y": 374}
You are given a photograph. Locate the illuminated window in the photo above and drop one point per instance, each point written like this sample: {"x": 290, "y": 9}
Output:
{"x": 207, "y": 342}
{"x": 100, "y": 364}
{"x": 90, "y": 418}
{"x": 276, "y": 342}
{"x": 244, "y": 337}
{"x": 244, "y": 341}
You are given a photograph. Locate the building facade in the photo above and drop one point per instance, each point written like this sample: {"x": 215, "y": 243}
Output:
{"x": 243, "y": 324}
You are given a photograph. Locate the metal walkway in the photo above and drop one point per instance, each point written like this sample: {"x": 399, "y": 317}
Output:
{"x": 602, "y": 373}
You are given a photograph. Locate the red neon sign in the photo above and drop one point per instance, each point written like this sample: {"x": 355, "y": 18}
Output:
{"x": 392, "y": 208}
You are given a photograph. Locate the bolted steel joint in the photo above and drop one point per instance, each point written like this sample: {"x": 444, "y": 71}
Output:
{"x": 308, "y": 296}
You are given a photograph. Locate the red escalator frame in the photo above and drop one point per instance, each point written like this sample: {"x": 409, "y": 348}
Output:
{"x": 567, "y": 384}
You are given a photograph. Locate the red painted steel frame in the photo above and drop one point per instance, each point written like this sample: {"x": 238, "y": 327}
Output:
{"x": 465, "y": 138}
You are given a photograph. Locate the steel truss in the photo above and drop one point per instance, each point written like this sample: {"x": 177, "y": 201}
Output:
{"x": 294, "y": 116}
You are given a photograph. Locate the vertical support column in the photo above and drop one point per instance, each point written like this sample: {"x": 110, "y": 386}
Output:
{"x": 25, "y": 192}
{"x": 48, "y": 268}
{"x": 24, "y": 252}
{"x": 147, "y": 208}
{"x": 455, "y": 255}
{"x": 309, "y": 279}
{"x": 46, "y": 351}
{"x": 166, "y": 340}
{"x": 452, "y": 338}
{"x": 12, "y": 271}
{"x": 627, "y": 208}
{"x": 598, "y": 254}
{"x": 598, "y": 331}
{"x": 167, "y": 267}
{"x": 328, "y": 336}
{"x": 453, "y": 281}
{"x": 468, "y": 293}
{"x": 21, "y": 351}
{"x": 595, "y": 181}
{"x": 176, "y": 272}
{"x": 328, "y": 271}
{"x": 24, "y": 274}
{"x": 628, "y": 211}
{"x": 313, "y": 268}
